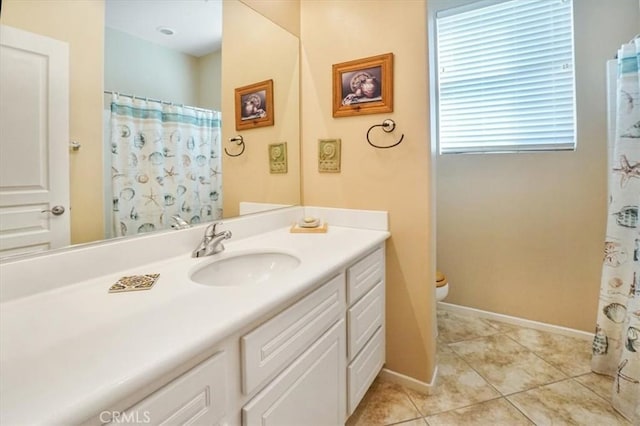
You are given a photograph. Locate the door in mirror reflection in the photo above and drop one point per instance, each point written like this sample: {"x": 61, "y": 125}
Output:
{"x": 34, "y": 104}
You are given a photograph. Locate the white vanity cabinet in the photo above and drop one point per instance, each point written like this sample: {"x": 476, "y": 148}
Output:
{"x": 317, "y": 359}
{"x": 310, "y": 364}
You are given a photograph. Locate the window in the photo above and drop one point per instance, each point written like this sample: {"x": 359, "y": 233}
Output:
{"x": 505, "y": 77}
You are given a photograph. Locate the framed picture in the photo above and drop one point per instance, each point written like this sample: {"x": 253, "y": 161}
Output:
{"x": 254, "y": 105}
{"x": 363, "y": 86}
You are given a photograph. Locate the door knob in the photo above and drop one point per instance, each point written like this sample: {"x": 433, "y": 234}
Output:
{"x": 55, "y": 210}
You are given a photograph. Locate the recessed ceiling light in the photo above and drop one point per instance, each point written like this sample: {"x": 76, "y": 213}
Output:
{"x": 166, "y": 30}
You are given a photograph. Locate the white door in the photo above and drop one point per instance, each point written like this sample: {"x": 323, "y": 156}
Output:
{"x": 34, "y": 142}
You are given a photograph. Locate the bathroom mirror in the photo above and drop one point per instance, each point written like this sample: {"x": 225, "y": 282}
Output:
{"x": 253, "y": 49}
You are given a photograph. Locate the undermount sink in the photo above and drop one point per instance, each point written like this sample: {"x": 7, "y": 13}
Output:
{"x": 244, "y": 268}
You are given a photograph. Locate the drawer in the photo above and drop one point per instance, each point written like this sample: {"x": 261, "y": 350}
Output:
{"x": 271, "y": 347}
{"x": 199, "y": 396}
{"x": 364, "y": 369}
{"x": 365, "y": 274}
{"x": 364, "y": 318}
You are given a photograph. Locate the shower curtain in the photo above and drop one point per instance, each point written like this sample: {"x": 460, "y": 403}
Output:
{"x": 165, "y": 162}
{"x": 616, "y": 345}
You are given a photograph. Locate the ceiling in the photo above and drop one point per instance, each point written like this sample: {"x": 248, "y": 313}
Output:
{"x": 197, "y": 23}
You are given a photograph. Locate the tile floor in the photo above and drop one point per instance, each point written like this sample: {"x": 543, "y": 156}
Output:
{"x": 493, "y": 373}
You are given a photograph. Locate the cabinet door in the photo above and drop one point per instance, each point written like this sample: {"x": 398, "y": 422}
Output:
{"x": 311, "y": 391}
{"x": 270, "y": 348}
{"x": 197, "y": 397}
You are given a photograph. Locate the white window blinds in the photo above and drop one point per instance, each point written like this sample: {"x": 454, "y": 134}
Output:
{"x": 506, "y": 77}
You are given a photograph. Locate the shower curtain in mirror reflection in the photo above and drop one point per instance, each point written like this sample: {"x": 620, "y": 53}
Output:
{"x": 616, "y": 345}
{"x": 165, "y": 162}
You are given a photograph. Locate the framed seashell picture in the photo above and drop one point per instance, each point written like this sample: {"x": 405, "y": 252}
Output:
{"x": 254, "y": 105}
{"x": 363, "y": 86}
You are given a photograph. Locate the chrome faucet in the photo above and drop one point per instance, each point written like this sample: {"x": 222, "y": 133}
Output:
{"x": 179, "y": 223}
{"x": 211, "y": 242}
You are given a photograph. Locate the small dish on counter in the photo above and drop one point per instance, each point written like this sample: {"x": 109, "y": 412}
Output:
{"x": 309, "y": 222}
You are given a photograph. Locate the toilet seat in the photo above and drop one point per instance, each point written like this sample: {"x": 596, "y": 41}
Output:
{"x": 442, "y": 286}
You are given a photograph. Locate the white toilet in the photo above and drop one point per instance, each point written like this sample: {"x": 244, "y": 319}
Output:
{"x": 442, "y": 286}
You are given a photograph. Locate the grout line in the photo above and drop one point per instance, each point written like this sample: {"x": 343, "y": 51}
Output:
{"x": 404, "y": 421}
{"x": 519, "y": 410}
{"x": 590, "y": 390}
{"x": 465, "y": 406}
{"x": 412, "y": 401}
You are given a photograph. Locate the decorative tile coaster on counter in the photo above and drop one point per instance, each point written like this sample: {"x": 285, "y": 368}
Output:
{"x": 134, "y": 283}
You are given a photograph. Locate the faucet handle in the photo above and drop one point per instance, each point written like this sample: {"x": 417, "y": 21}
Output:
{"x": 211, "y": 229}
{"x": 215, "y": 226}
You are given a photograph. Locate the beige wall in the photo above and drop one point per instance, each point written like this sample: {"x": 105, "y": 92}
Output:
{"x": 265, "y": 52}
{"x": 285, "y": 13}
{"x": 129, "y": 62}
{"x": 177, "y": 77}
{"x": 81, "y": 25}
{"x": 522, "y": 234}
{"x": 210, "y": 81}
{"x": 396, "y": 180}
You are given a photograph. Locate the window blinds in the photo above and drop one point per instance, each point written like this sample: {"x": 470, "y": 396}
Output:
{"x": 506, "y": 77}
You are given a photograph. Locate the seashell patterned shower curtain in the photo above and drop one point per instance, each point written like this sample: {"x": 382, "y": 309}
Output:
{"x": 616, "y": 345}
{"x": 165, "y": 162}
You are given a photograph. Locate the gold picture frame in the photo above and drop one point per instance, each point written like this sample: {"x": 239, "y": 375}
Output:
{"x": 363, "y": 86}
{"x": 254, "y": 105}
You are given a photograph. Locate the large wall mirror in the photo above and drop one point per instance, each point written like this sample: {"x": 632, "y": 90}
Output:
{"x": 137, "y": 57}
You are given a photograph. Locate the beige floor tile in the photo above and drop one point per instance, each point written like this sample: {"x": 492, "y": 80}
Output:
{"x": 442, "y": 348}
{"x": 458, "y": 385}
{"x": 598, "y": 383}
{"x": 570, "y": 355}
{"x": 566, "y": 403}
{"x": 496, "y": 412}
{"x": 385, "y": 403}
{"x": 505, "y": 364}
{"x": 455, "y": 327}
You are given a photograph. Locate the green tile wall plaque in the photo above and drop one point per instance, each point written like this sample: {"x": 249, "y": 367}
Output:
{"x": 278, "y": 157}
{"x": 329, "y": 155}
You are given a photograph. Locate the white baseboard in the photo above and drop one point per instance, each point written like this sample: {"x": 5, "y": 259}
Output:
{"x": 410, "y": 382}
{"x": 516, "y": 321}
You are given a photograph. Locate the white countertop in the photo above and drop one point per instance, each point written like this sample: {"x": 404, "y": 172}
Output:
{"x": 68, "y": 353}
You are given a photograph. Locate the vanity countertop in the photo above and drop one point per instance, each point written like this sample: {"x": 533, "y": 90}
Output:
{"x": 68, "y": 353}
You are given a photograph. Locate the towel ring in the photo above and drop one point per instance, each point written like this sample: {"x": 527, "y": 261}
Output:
{"x": 388, "y": 126}
{"x": 239, "y": 140}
